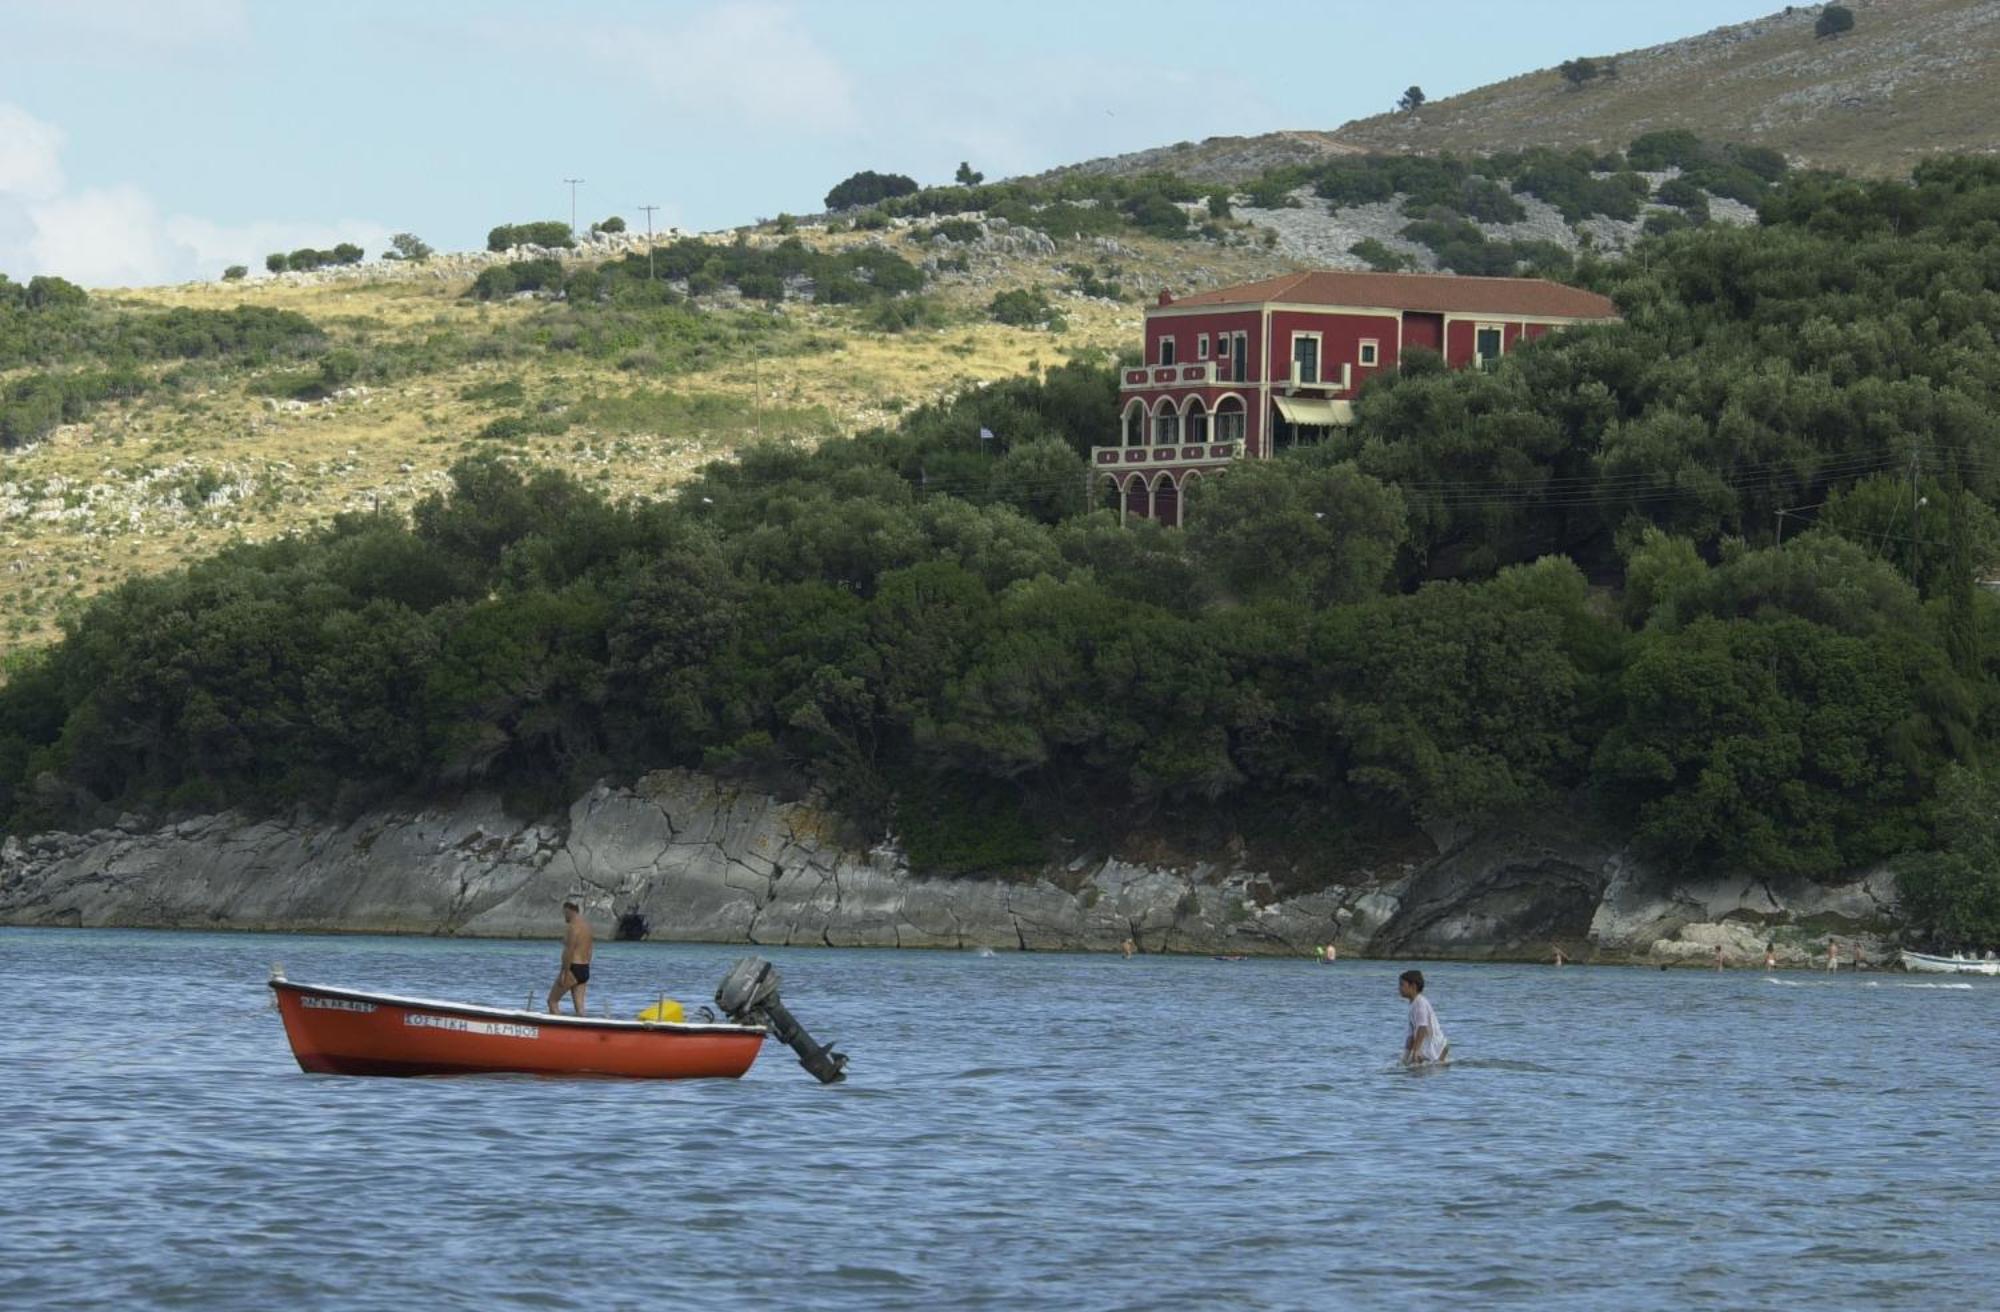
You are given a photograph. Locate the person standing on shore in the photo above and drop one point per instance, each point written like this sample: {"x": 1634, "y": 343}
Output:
{"x": 1770, "y": 956}
{"x": 574, "y": 977}
{"x": 1559, "y": 956}
{"x": 1425, "y": 1044}
{"x": 1832, "y": 955}
{"x": 1719, "y": 963}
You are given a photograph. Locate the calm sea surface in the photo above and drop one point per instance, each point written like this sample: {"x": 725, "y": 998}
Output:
{"x": 1042, "y": 1130}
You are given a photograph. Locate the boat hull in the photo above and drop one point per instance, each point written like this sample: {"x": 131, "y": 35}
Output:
{"x": 349, "y": 1032}
{"x": 1925, "y": 964}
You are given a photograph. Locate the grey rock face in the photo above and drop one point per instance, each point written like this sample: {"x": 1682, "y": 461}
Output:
{"x": 684, "y": 857}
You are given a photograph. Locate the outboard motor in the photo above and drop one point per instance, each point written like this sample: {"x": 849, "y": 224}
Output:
{"x": 748, "y": 995}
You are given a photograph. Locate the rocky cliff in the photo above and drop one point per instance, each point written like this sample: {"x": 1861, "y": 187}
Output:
{"x": 683, "y": 857}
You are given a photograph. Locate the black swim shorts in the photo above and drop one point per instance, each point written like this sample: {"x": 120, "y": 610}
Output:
{"x": 580, "y": 972}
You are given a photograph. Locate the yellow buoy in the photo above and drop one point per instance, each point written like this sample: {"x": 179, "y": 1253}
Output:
{"x": 666, "y": 1009}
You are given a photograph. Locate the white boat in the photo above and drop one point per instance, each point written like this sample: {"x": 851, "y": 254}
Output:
{"x": 1925, "y": 964}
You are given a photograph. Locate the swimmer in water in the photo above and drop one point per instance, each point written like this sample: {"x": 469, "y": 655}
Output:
{"x": 1770, "y": 956}
{"x": 1559, "y": 958}
{"x": 1718, "y": 956}
{"x": 1425, "y": 1044}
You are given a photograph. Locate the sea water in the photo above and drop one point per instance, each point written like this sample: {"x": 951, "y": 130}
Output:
{"x": 1016, "y": 1129}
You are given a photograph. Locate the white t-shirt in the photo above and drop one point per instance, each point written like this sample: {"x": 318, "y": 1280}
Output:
{"x": 1424, "y": 1016}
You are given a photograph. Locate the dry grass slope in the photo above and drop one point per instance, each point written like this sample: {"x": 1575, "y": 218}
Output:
{"x": 151, "y": 484}
{"x": 1914, "y": 78}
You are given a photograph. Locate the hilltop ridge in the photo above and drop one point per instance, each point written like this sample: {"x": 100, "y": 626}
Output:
{"x": 1914, "y": 78}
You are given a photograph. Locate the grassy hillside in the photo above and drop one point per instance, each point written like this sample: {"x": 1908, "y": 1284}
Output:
{"x": 215, "y": 452}
{"x": 1914, "y": 78}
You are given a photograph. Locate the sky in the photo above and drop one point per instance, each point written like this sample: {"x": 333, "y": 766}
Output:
{"x": 151, "y": 141}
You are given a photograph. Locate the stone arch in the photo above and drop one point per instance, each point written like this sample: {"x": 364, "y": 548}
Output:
{"x": 1138, "y": 498}
{"x": 1166, "y": 423}
{"x": 1167, "y": 501}
{"x": 1132, "y": 428}
{"x": 1194, "y": 420}
{"x": 1232, "y": 420}
{"x": 1109, "y": 494}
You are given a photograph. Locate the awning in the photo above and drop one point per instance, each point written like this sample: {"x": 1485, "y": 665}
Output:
{"x": 1311, "y": 410}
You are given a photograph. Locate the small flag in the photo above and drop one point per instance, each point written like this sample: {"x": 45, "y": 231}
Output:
{"x": 986, "y": 435}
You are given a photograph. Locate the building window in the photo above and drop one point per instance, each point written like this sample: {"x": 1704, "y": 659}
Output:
{"x": 1486, "y": 345}
{"x": 1222, "y": 345}
{"x": 1242, "y": 357}
{"x": 1201, "y": 347}
{"x": 1135, "y": 424}
{"x": 1166, "y": 350}
{"x": 1229, "y": 420}
{"x": 1196, "y": 422}
{"x": 1305, "y": 355}
{"x": 1370, "y": 353}
{"x": 1166, "y": 425}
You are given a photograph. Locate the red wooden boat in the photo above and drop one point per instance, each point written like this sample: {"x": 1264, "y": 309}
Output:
{"x": 349, "y": 1032}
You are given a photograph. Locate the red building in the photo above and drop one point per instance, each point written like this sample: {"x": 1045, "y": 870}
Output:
{"x": 1240, "y": 373}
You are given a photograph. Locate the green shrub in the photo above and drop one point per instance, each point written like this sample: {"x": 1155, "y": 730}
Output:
{"x": 542, "y": 274}
{"x": 1834, "y": 20}
{"x": 868, "y": 188}
{"x": 1023, "y": 307}
{"x": 235, "y": 273}
{"x": 961, "y": 231}
{"x": 1684, "y": 196}
{"x": 1154, "y": 213}
{"x": 542, "y": 232}
{"x": 1379, "y": 257}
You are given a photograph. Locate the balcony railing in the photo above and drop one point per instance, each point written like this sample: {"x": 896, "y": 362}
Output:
{"x": 1200, "y": 374}
{"x": 1180, "y": 453}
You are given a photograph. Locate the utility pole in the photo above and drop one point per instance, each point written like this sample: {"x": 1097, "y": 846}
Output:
{"x": 1916, "y": 537}
{"x": 574, "y": 183}
{"x": 649, "y": 239}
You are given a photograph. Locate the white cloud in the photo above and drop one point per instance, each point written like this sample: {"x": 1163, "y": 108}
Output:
{"x": 117, "y": 236}
{"x": 30, "y": 155}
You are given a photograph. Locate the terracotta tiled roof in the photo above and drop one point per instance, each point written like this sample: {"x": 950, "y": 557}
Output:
{"x": 1430, "y": 292}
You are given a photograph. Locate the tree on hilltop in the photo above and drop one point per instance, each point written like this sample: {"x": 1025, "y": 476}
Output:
{"x": 967, "y": 176}
{"x": 1576, "y": 72}
{"x": 867, "y": 188}
{"x": 1834, "y": 20}
{"x": 1412, "y": 100}
{"x": 409, "y": 246}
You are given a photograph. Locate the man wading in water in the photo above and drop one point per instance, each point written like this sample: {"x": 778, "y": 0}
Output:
{"x": 575, "y": 974}
{"x": 1426, "y": 1044}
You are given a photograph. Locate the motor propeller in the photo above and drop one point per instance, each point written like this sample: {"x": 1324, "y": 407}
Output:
{"x": 748, "y": 995}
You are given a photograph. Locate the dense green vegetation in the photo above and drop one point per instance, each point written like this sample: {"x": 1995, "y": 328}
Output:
{"x": 1711, "y": 569}
{"x": 87, "y": 351}
{"x": 305, "y": 259}
{"x": 1444, "y": 196}
{"x": 541, "y": 232}
{"x": 868, "y": 187}
{"x": 759, "y": 272}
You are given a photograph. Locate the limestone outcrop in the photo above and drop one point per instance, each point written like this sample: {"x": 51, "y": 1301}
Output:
{"x": 684, "y": 857}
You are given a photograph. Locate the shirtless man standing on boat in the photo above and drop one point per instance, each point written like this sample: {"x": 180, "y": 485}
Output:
{"x": 575, "y": 976}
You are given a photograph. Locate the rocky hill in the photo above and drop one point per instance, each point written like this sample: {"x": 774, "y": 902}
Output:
{"x": 1913, "y": 78}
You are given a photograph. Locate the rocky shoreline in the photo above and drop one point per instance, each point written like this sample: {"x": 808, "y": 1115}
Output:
{"x": 683, "y": 857}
